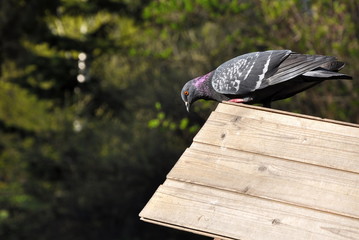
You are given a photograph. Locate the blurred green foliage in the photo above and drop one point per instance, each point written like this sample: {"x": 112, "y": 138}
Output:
{"x": 80, "y": 156}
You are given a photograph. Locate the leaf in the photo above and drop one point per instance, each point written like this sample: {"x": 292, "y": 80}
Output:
{"x": 184, "y": 123}
{"x": 154, "y": 123}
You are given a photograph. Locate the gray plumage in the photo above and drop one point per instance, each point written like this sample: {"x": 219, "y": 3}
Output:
{"x": 263, "y": 77}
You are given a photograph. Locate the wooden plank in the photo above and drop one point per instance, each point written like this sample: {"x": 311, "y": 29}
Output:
{"x": 295, "y": 183}
{"x": 235, "y": 108}
{"x": 292, "y": 119}
{"x": 283, "y": 141}
{"x": 239, "y": 216}
{"x": 288, "y": 127}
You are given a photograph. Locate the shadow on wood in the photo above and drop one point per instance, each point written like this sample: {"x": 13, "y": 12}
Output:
{"x": 257, "y": 173}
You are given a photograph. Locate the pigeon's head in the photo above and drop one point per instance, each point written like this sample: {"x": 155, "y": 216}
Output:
{"x": 189, "y": 94}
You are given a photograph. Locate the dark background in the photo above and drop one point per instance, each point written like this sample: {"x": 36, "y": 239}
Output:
{"x": 85, "y": 143}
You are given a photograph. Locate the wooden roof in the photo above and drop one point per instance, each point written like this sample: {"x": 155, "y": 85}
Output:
{"x": 254, "y": 173}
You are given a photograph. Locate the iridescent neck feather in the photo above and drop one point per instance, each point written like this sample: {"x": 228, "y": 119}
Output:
{"x": 198, "y": 82}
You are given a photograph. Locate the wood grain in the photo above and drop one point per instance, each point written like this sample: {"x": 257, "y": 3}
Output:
{"x": 239, "y": 216}
{"x": 235, "y": 107}
{"x": 299, "y": 184}
{"x": 272, "y": 139}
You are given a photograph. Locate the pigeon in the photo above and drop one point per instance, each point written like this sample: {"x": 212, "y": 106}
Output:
{"x": 262, "y": 77}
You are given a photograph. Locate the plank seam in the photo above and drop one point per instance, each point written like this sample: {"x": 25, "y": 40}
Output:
{"x": 188, "y": 229}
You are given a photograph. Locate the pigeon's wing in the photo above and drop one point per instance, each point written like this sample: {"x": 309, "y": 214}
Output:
{"x": 294, "y": 65}
{"x": 246, "y": 73}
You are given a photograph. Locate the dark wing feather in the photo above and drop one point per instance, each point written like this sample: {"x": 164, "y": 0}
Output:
{"x": 295, "y": 65}
{"x": 245, "y": 73}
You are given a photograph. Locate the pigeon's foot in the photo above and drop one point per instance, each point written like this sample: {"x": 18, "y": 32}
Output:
{"x": 241, "y": 100}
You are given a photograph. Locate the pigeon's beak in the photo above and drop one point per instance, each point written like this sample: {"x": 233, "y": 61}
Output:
{"x": 187, "y": 106}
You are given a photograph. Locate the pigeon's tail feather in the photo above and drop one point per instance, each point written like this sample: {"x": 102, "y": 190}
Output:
{"x": 325, "y": 74}
{"x": 333, "y": 66}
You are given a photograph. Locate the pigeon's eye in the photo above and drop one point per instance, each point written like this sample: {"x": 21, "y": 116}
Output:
{"x": 186, "y": 93}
